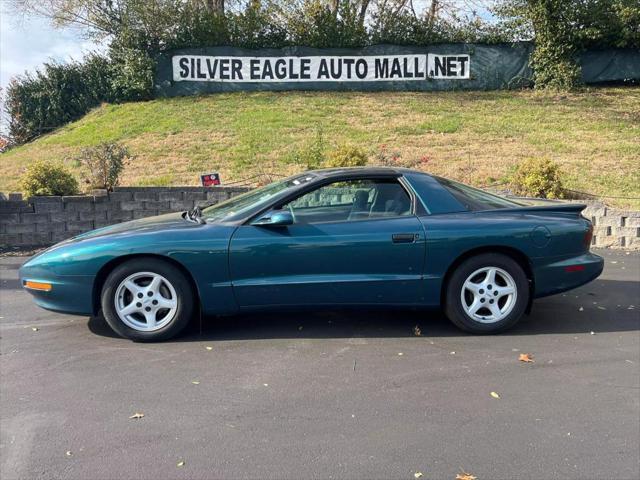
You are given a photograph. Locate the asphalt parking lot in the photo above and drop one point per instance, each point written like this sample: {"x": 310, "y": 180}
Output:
{"x": 329, "y": 394}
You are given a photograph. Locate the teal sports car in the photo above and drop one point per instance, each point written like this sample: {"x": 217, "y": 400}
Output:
{"x": 326, "y": 238}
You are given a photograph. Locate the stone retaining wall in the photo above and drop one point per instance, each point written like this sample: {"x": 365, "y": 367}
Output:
{"x": 613, "y": 227}
{"x": 42, "y": 221}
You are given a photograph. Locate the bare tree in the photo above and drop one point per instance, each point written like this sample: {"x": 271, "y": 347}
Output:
{"x": 98, "y": 16}
{"x": 215, "y": 6}
{"x": 362, "y": 15}
{"x": 104, "y": 17}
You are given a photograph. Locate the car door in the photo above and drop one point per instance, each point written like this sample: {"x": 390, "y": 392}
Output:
{"x": 352, "y": 241}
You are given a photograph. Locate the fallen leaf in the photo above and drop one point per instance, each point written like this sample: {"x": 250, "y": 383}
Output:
{"x": 526, "y": 357}
{"x": 196, "y": 382}
{"x": 416, "y": 331}
{"x": 209, "y": 348}
{"x": 417, "y": 474}
{"x": 465, "y": 476}
{"x": 495, "y": 395}
{"x": 180, "y": 463}
{"x": 136, "y": 415}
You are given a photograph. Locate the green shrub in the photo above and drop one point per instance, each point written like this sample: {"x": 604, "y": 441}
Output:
{"x": 314, "y": 23}
{"x": 346, "y": 156}
{"x": 196, "y": 26}
{"x": 312, "y": 155}
{"x": 60, "y": 93}
{"x": 54, "y": 95}
{"x": 554, "y": 58}
{"x": 539, "y": 178}
{"x": 46, "y": 178}
{"x": 256, "y": 27}
{"x": 554, "y": 65}
{"x": 561, "y": 29}
{"x": 103, "y": 164}
{"x": 131, "y": 75}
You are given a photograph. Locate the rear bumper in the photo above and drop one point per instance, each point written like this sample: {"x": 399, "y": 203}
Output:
{"x": 566, "y": 274}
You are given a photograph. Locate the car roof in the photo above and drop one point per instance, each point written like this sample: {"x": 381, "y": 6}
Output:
{"x": 364, "y": 171}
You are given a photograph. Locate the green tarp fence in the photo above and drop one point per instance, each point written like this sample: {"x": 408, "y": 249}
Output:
{"x": 611, "y": 65}
{"x": 196, "y": 71}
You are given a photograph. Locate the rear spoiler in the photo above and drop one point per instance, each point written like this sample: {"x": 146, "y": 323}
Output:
{"x": 562, "y": 208}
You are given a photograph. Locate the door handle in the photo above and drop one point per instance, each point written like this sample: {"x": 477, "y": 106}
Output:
{"x": 404, "y": 237}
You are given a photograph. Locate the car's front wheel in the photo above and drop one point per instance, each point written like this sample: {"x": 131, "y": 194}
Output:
{"x": 487, "y": 293}
{"x": 147, "y": 300}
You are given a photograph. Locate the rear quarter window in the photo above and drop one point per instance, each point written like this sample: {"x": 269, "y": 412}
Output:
{"x": 474, "y": 199}
{"x": 435, "y": 198}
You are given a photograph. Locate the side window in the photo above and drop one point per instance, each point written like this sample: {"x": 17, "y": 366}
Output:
{"x": 352, "y": 200}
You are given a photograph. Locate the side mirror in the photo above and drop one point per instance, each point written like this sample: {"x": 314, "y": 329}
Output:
{"x": 275, "y": 218}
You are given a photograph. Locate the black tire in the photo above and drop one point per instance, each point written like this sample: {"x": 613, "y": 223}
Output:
{"x": 183, "y": 290}
{"x": 454, "y": 309}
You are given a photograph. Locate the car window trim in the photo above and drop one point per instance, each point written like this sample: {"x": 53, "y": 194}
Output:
{"x": 412, "y": 195}
{"x": 398, "y": 178}
{"x": 323, "y": 181}
{"x": 395, "y": 217}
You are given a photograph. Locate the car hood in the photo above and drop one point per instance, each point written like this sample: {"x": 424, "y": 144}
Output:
{"x": 169, "y": 221}
{"x": 161, "y": 235}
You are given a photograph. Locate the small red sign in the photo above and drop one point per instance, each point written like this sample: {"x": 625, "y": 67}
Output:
{"x": 210, "y": 179}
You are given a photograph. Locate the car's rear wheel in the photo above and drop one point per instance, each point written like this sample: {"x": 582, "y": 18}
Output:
{"x": 487, "y": 293}
{"x": 147, "y": 300}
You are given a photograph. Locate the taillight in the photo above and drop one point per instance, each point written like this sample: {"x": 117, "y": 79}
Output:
{"x": 574, "y": 268}
{"x": 588, "y": 235}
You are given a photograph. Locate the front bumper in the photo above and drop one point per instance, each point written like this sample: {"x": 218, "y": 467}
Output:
{"x": 69, "y": 293}
{"x": 566, "y": 273}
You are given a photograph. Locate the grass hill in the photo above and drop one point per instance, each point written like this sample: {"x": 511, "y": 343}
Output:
{"x": 475, "y": 137}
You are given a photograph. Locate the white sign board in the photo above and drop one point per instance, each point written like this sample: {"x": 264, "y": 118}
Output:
{"x": 367, "y": 68}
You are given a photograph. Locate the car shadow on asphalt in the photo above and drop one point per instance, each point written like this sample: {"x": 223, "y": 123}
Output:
{"x": 607, "y": 307}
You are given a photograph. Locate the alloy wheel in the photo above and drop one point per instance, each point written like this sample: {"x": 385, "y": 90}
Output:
{"x": 146, "y": 301}
{"x": 488, "y": 295}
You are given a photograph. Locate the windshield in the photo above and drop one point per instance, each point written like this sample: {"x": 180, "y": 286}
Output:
{"x": 474, "y": 199}
{"x": 250, "y": 201}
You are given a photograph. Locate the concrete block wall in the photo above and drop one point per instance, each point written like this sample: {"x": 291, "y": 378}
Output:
{"x": 613, "y": 227}
{"x": 43, "y": 221}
